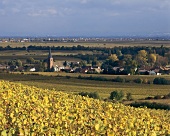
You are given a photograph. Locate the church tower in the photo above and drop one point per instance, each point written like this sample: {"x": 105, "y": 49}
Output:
{"x": 49, "y": 61}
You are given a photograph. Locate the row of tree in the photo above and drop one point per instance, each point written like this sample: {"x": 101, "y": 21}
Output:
{"x": 162, "y": 51}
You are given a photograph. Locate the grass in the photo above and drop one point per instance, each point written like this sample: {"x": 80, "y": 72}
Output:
{"x": 131, "y": 77}
{"x": 74, "y": 85}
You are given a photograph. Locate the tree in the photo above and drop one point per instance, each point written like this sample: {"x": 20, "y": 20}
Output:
{"x": 168, "y": 56}
{"x": 142, "y": 53}
{"x": 113, "y": 57}
{"x": 40, "y": 67}
{"x": 11, "y": 63}
{"x": 152, "y": 59}
{"x": 18, "y": 63}
{"x": 161, "y": 61}
{"x": 72, "y": 65}
{"x": 83, "y": 63}
{"x": 130, "y": 66}
{"x": 30, "y": 60}
{"x": 127, "y": 58}
{"x": 118, "y": 52}
{"x": 52, "y": 69}
{"x": 141, "y": 57}
{"x": 65, "y": 63}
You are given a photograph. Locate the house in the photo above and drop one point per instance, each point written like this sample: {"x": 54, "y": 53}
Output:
{"x": 144, "y": 70}
{"x": 157, "y": 71}
{"x": 3, "y": 67}
{"x": 115, "y": 68}
{"x": 21, "y": 69}
{"x": 58, "y": 68}
{"x": 32, "y": 69}
{"x": 87, "y": 69}
{"x": 118, "y": 69}
{"x": 13, "y": 68}
{"x": 77, "y": 69}
{"x": 165, "y": 70}
{"x": 167, "y": 67}
{"x": 96, "y": 69}
{"x": 66, "y": 69}
{"x": 149, "y": 71}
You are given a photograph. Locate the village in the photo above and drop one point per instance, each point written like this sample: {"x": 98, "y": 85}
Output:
{"x": 51, "y": 65}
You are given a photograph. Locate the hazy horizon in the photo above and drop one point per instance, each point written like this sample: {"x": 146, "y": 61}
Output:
{"x": 84, "y": 17}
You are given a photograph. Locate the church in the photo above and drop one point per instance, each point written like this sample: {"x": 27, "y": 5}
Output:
{"x": 50, "y": 61}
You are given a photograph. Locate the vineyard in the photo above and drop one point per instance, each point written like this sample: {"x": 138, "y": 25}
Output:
{"x": 26, "y": 110}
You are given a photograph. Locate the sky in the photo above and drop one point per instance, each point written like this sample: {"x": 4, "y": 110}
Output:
{"x": 83, "y": 17}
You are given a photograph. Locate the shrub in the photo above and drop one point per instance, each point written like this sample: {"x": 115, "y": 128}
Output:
{"x": 94, "y": 95}
{"x": 150, "y": 82}
{"x": 68, "y": 77}
{"x": 151, "y": 105}
{"x": 94, "y": 78}
{"x": 149, "y": 98}
{"x": 166, "y": 96}
{"x": 97, "y": 78}
{"x": 115, "y": 95}
{"x": 119, "y": 79}
{"x": 145, "y": 81}
{"x": 34, "y": 74}
{"x": 157, "y": 97}
{"x": 161, "y": 81}
{"x": 79, "y": 77}
{"x": 138, "y": 80}
{"x": 129, "y": 96}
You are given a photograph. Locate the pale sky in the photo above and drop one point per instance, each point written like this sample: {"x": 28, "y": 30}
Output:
{"x": 83, "y": 17}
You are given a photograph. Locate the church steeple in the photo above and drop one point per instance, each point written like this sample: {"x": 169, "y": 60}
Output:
{"x": 49, "y": 55}
{"x": 49, "y": 60}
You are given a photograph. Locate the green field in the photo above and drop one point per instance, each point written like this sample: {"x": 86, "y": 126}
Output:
{"x": 61, "y": 82}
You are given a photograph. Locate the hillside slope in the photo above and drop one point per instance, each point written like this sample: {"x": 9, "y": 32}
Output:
{"x": 26, "y": 110}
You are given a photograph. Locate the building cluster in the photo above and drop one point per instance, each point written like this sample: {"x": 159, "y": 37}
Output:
{"x": 77, "y": 39}
{"x": 96, "y": 69}
{"x": 51, "y": 66}
{"x": 75, "y": 67}
{"x": 68, "y": 68}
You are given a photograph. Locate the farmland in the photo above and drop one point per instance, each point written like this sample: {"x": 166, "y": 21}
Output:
{"x": 26, "y": 110}
{"x": 91, "y": 44}
{"x": 69, "y": 83}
